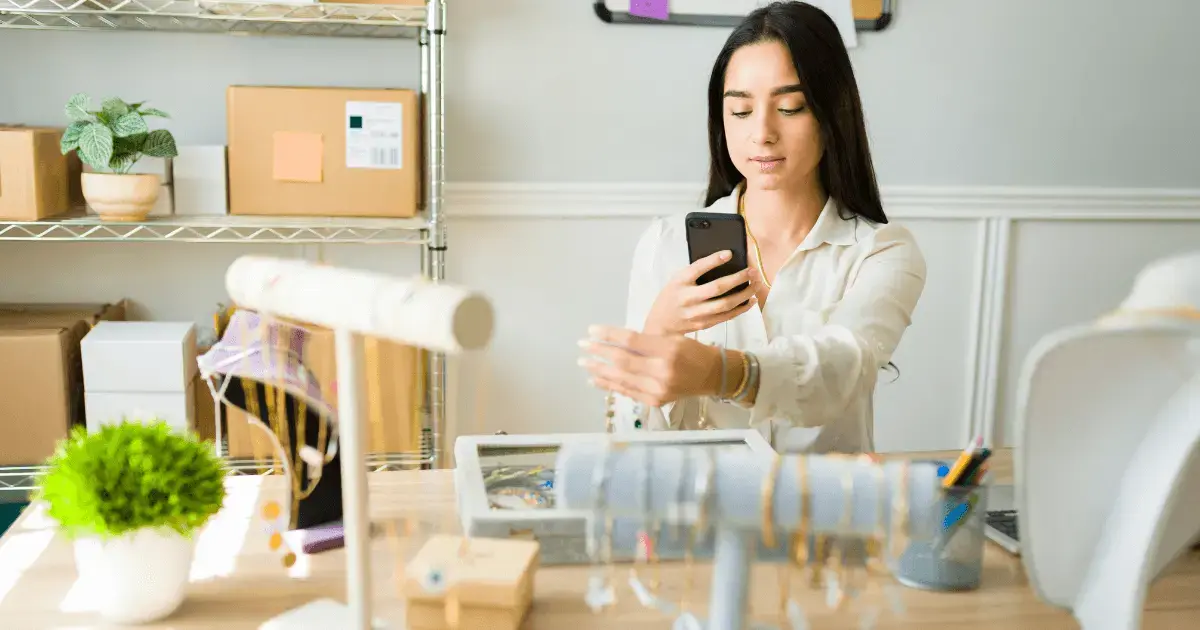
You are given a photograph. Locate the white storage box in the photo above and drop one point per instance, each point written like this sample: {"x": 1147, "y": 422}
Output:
{"x": 201, "y": 181}
{"x": 177, "y": 409}
{"x": 505, "y": 489}
{"x": 124, "y": 357}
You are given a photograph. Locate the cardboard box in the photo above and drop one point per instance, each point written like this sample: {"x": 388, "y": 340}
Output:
{"x": 323, "y": 152}
{"x": 36, "y": 179}
{"x": 69, "y": 312}
{"x": 41, "y": 377}
{"x": 205, "y": 414}
{"x": 393, "y": 397}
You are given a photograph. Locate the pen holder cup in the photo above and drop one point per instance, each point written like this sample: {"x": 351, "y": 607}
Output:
{"x": 953, "y": 559}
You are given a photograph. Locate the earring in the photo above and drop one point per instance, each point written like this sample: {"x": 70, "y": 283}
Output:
{"x": 835, "y": 594}
{"x": 609, "y": 412}
{"x": 768, "y": 503}
{"x": 644, "y": 551}
{"x": 793, "y": 611}
{"x": 900, "y": 516}
{"x": 875, "y": 544}
{"x": 600, "y": 593}
{"x": 702, "y": 494}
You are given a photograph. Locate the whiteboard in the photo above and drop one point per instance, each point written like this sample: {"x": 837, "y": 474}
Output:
{"x": 730, "y": 12}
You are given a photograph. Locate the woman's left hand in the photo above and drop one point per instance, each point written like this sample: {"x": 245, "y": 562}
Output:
{"x": 651, "y": 369}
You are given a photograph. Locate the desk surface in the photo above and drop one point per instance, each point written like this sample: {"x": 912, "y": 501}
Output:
{"x": 237, "y": 583}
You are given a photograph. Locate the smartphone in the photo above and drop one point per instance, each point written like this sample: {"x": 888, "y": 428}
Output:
{"x": 712, "y": 232}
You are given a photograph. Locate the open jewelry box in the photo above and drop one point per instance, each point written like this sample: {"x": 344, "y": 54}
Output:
{"x": 505, "y": 489}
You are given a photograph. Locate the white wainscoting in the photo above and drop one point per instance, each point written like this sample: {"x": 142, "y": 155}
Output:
{"x": 1006, "y": 266}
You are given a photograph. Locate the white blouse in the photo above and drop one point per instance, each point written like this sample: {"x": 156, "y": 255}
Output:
{"x": 834, "y": 317}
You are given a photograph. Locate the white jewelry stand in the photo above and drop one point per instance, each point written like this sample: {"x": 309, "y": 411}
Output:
{"x": 734, "y": 502}
{"x": 1108, "y": 433}
{"x": 437, "y": 317}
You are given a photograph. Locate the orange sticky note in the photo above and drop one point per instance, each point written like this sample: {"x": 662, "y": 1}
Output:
{"x": 298, "y": 157}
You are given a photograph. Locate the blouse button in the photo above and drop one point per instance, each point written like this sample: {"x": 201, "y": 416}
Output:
{"x": 637, "y": 424}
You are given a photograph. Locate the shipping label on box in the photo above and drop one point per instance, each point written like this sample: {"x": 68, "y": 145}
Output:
{"x": 374, "y": 135}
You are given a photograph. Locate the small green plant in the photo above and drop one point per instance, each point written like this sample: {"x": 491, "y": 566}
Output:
{"x": 130, "y": 476}
{"x": 114, "y": 137}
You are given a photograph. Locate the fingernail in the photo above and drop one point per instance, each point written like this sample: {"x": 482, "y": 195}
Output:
{"x": 584, "y": 343}
{"x": 584, "y": 362}
{"x": 726, "y": 255}
{"x": 594, "y": 331}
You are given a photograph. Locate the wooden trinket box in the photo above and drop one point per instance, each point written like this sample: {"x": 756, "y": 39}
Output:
{"x": 456, "y": 583}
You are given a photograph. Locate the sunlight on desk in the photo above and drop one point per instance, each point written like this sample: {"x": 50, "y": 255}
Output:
{"x": 216, "y": 554}
{"x": 18, "y": 552}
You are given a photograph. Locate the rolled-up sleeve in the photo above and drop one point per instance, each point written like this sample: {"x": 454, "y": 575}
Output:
{"x": 811, "y": 379}
{"x": 646, "y": 279}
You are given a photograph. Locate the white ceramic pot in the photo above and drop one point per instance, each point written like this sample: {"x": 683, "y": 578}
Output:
{"x": 136, "y": 578}
{"x": 121, "y": 197}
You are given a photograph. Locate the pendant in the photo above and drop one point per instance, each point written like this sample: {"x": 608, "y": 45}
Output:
{"x": 868, "y": 618}
{"x": 600, "y": 593}
{"x": 686, "y": 621}
{"x": 796, "y": 616}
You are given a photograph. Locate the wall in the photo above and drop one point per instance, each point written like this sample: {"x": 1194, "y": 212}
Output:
{"x": 564, "y": 137}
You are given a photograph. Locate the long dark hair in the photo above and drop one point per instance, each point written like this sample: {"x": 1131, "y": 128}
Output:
{"x": 827, "y": 79}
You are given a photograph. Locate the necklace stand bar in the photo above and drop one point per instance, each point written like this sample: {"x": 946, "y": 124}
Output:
{"x": 661, "y": 483}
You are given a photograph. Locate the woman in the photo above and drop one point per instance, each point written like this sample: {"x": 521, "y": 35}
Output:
{"x": 832, "y": 284}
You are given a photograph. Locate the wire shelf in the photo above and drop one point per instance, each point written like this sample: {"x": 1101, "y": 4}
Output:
{"x": 219, "y": 229}
{"x": 16, "y": 482}
{"x": 220, "y": 16}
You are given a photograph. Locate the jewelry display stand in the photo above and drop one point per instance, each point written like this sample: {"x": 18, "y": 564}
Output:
{"x": 520, "y": 470}
{"x": 1130, "y": 383}
{"x": 436, "y": 317}
{"x": 852, "y": 497}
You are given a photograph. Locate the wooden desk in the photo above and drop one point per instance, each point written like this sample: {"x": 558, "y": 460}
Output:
{"x": 238, "y": 583}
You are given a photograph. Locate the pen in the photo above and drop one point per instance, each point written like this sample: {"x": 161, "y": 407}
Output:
{"x": 971, "y": 470}
{"x": 964, "y": 458}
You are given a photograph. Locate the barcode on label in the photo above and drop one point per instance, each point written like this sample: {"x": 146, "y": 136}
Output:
{"x": 385, "y": 157}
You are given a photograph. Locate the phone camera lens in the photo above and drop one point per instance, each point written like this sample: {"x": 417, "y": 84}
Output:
{"x": 703, "y": 224}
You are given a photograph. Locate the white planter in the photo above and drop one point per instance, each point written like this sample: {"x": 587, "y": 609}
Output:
{"x": 121, "y": 197}
{"x": 136, "y": 578}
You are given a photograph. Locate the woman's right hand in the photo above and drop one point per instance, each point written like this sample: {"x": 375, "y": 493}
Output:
{"x": 683, "y": 306}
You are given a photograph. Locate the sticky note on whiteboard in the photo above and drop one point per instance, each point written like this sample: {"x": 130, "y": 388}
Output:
{"x": 653, "y": 9}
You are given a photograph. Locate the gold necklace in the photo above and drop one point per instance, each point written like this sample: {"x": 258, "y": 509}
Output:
{"x": 753, "y": 241}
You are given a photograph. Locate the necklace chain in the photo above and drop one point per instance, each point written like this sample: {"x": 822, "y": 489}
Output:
{"x": 753, "y": 241}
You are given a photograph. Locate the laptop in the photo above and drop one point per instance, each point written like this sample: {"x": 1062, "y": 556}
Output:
{"x": 1000, "y": 522}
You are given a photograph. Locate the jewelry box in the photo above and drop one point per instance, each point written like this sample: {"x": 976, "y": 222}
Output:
{"x": 505, "y": 489}
{"x": 469, "y": 584}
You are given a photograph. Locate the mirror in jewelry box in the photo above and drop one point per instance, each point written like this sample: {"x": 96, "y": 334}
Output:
{"x": 505, "y": 489}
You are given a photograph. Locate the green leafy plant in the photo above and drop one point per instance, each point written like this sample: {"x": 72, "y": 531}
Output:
{"x": 114, "y": 137}
{"x": 130, "y": 476}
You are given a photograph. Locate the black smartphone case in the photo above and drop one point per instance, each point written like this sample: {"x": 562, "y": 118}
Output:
{"x": 711, "y": 232}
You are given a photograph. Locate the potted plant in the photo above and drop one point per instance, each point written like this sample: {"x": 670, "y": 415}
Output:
{"x": 131, "y": 496}
{"x": 111, "y": 140}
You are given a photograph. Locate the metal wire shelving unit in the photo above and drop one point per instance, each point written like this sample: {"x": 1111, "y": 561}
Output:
{"x": 425, "y": 24}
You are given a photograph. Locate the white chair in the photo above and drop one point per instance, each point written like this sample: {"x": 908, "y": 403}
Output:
{"x": 1108, "y": 450}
